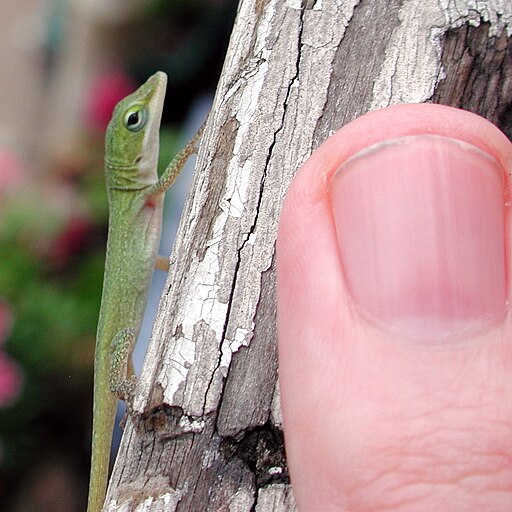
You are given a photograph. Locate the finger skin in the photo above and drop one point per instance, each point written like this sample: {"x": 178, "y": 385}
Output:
{"x": 373, "y": 423}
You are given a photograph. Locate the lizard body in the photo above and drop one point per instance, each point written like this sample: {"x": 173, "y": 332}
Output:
{"x": 135, "y": 194}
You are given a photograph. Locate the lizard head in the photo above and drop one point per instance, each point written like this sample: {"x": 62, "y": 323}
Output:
{"x": 132, "y": 138}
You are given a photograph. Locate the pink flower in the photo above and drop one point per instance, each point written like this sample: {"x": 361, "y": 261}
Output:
{"x": 12, "y": 170}
{"x": 71, "y": 240}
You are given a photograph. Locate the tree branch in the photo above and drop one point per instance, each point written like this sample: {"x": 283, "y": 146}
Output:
{"x": 209, "y": 432}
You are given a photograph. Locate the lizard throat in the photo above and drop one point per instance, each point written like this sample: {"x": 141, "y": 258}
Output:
{"x": 128, "y": 177}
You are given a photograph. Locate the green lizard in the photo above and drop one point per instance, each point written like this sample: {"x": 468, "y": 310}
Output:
{"x": 135, "y": 195}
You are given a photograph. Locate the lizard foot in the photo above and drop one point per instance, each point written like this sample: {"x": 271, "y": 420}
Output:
{"x": 122, "y": 380}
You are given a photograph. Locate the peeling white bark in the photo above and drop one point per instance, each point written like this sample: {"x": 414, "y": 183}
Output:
{"x": 415, "y": 49}
{"x": 244, "y": 95}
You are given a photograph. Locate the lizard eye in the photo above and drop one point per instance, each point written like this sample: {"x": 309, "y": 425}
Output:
{"x": 135, "y": 118}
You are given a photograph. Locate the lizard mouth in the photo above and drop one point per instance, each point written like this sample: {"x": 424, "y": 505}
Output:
{"x": 157, "y": 84}
{"x": 155, "y": 88}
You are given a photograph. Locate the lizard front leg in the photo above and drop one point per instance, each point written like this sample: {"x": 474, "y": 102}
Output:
{"x": 169, "y": 176}
{"x": 176, "y": 165}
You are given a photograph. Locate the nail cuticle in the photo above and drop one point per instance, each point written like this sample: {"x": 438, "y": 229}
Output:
{"x": 408, "y": 139}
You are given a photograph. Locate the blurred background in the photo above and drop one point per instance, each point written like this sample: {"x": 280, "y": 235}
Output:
{"x": 64, "y": 64}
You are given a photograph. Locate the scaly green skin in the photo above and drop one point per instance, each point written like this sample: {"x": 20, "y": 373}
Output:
{"x": 135, "y": 199}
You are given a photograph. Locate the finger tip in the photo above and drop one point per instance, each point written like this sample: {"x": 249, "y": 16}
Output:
{"x": 329, "y": 360}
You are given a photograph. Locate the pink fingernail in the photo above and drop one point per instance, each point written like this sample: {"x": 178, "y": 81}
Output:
{"x": 420, "y": 222}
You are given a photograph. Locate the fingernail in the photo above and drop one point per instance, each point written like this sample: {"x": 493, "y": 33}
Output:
{"x": 420, "y": 223}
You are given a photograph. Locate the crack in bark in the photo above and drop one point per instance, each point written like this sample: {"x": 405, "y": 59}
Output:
{"x": 253, "y": 226}
{"x": 262, "y": 450}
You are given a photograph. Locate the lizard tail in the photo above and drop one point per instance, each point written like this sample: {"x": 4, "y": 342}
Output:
{"x": 103, "y": 424}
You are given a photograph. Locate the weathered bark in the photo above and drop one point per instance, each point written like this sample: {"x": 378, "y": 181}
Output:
{"x": 208, "y": 435}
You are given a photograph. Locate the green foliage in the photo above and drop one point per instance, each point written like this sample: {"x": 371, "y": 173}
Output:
{"x": 55, "y": 298}
{"x": 55, "y": 301}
